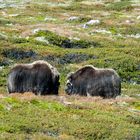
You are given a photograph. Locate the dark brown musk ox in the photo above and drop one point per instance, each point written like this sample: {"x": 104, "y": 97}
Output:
{"x": 92, "y": 81}
{"x": 38, "y": 77}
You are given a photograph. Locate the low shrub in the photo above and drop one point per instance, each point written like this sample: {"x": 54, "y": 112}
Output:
{"x": 18, "y": 53}
{"x": 65, "y": 42}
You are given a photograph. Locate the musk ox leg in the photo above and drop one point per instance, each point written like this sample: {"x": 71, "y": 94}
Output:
{"x": 41, "y": 90}
{"x": 11, "y": 83}
{"x": 116, "y": 85}
{"x": 10, "y": 87}
{"x": 55, "y": 90}
{"x": 55, "y": 84}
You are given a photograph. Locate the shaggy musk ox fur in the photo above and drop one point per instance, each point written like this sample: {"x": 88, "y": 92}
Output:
{"x": 38, "y": 77}
{"x": 94, "y": 82}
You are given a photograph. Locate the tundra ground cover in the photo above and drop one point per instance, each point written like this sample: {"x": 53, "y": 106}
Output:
{"x": 70, "y": 34}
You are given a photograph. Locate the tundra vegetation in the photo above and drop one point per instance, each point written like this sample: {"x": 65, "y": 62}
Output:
{"x": 70, "y": 34}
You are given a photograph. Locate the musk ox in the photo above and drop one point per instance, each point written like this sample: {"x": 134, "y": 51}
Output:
{"x": 38, "y": 77}
{"x": 94, "y": 82}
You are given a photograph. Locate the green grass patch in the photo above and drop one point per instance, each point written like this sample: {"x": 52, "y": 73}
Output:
{"x": 54, "y": 120}
{"x": 121, "y": 5}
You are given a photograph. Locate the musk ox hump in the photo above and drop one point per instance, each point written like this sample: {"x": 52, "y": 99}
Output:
{"x": 82, "y": 71}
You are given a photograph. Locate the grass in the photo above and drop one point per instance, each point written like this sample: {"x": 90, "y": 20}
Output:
{"x": 122, "y": 5}
{"x": 71, "y": 117}
{"x": 79, "y": 120}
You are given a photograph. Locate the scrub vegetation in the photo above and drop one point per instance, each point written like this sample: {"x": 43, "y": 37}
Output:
{"x": 70, "y": 34}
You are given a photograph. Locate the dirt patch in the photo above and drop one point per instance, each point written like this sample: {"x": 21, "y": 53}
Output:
{"x": 2, "y": 96}
{"x": 28, "y": 30}
{"x": 25, "y": 96}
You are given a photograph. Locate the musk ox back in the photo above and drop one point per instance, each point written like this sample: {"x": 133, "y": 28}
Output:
{"x": 94, "y": 82}
{"x": 38, "y": 77}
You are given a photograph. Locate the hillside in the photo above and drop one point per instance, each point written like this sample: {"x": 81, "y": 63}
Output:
{"x": 70, "y": 34}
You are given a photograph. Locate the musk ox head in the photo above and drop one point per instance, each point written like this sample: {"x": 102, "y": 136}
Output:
{"x": 69, "y": 89}
{"x": 38, "y": 77}
{"x": 94, "y": 82}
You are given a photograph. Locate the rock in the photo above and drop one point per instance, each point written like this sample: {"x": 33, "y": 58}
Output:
{"x": 42, "y": 39}
{"x": 129, "y": 21}
{"x": 133, "y": 36}
{"x": 34, "y": 31}
{"x": 138, "y": 17}
{"x": 73, "y": 18}
{"x": 84, "y": 26}
{"x": 10, "y": 24}
{"x": 92, "y": 22}
{"x": 119, "y": 35}
{"x": 103, "y": 31}
{"x": 13, "y": 15}
{"x": 49, "y": 19}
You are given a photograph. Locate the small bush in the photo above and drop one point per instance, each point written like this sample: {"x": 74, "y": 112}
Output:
{"x": 18, "y": 53}
{"x": 4, "y": 62}
{"x": 69, "y": 58}
{"x": 65, "y": 42}
{"x": 19, "y": 40}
